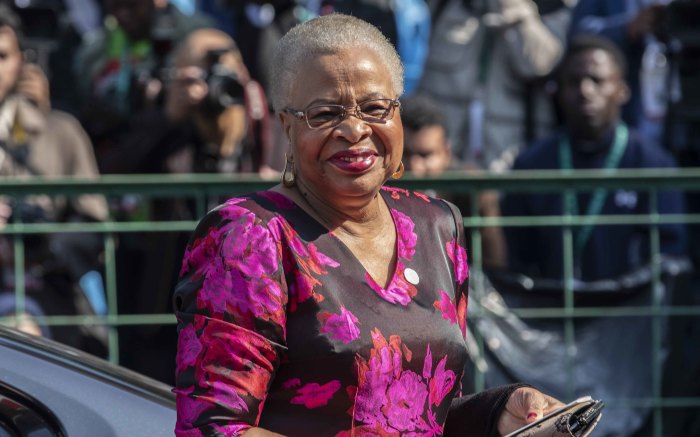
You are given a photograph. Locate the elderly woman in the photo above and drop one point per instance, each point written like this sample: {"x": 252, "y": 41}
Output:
{"x": 331, "y": 305}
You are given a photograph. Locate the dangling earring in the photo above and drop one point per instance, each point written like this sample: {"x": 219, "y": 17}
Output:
{"x": 289, "y": 179}
{"x": 399, "y": 172}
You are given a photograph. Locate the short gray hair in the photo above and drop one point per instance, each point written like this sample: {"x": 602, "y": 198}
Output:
{"x": 327, "y": 34}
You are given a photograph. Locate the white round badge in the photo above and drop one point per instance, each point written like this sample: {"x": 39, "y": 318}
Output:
{"x": 411, "y": 276}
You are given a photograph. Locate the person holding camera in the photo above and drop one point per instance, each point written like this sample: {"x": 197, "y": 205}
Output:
{"x": 210, "y": 88}
{"x": 118, "y": 69}
{"x": 38, "y": 142}
{"x": 213, "y": 119}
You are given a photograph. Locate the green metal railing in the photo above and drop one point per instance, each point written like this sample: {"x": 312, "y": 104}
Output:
{"x": 206, "y": 189}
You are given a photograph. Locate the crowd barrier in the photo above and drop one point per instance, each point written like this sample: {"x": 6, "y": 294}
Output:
{"x": 205, "y": 190}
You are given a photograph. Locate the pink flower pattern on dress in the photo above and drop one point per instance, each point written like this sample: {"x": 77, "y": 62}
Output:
{"x": 342, "y": 327}
{"x": 264, "y": 298}
{"x": 235, "y": 200}
{"x": 311, "y": 263}
{"x": 446, "y": 307}
{"x": 188, "y": 411}
{"x": 396, "y": 192}
{"x": 251, "y": 249}
{"x": 232, "y": 264}
{"x": 462, "y": 315}
{"x": 291, "y": 383}
{"x": 391, "y": 400}
{"x": 202, "y": 250}
{"x": 458, "y": 256}
{"x": 405, "y": 235}
{"x": 241, "y": 363}
{"x": 314, "y": 395}
{"x": 188, "y": 348}
{"x": 374, "y": 377}
{"x": 421, "y": 196}
{"x": 227, "y": 395}
{"x": 442, "y": 382}
{"x": 245, "y": 276}
{"x": 399, "y": 289}
{"x": 232, "y": 430}
{"x": 406, "y": 402}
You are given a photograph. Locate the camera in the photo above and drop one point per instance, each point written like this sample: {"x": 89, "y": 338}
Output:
{"x": 25, "y": 212}
{"x": 35, "y": 245}
{"x": 225, "y": 88}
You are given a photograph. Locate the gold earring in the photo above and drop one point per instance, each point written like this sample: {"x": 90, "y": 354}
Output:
{"x": 399, "y": 172}
{"x": 289, "y": 179}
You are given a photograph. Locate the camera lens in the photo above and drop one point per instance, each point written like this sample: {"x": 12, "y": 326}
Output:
{"x": 224, "y": 87}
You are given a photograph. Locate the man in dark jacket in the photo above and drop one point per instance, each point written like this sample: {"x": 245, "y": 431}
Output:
{"x": 591, "y": 92}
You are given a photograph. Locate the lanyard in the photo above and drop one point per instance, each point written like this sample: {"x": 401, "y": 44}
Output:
{"x": 612, "y": 161}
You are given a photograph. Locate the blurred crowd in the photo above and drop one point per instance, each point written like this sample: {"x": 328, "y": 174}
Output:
{"x": 90, "y": 87}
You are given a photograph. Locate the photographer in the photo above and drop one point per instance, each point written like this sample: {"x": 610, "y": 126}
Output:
{"x": 211, "y": 89}
{"x": 37, "y": 142}
{"x": 213, "y": 119}
{"x": 118, "y": 68}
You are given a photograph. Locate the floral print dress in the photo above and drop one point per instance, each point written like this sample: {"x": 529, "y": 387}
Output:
{"x": 281, "y": 327}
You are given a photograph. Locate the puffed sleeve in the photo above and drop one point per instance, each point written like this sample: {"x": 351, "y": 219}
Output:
{"x": 231, "y": 309}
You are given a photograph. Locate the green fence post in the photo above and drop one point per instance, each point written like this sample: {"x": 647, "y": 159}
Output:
{"x": 20, "y": 284}
{"x": 476, "y": 279}
{"x": 657, "y": 336}
{"x": 569, "y": 337}
{"x": 111, "y": 286}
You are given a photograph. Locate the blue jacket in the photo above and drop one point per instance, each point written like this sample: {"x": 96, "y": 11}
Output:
{"x": 611, "y": 250}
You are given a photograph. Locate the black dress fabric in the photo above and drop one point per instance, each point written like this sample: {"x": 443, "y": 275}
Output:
{"x": 281, "y": 327}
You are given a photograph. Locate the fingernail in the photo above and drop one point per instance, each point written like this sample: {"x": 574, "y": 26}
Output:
{"x": 531, "y": 416}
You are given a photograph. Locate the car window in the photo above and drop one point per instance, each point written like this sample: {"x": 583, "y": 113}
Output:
{"x": 21, "y": 415}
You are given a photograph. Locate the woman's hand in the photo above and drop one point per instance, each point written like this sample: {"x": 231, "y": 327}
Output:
{"x": 524, "y": 406}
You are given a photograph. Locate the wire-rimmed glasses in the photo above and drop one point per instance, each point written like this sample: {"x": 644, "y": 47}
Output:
{"x": 328, "y": 116}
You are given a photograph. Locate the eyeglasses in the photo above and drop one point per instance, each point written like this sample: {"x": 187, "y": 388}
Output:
{"x": 328, "y": 116}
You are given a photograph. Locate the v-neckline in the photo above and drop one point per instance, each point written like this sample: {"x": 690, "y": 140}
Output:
{"x": 344, "y": 247}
